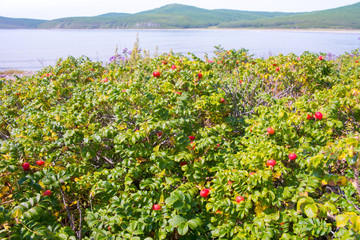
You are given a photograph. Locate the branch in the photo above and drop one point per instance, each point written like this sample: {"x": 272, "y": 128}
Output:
{"x": 356, "y": 179}
{"x": 3, "y": 203}
{"x": 67, "y": 209}
{"x": 107, "y": 160}
{"x": 80, "y": 217}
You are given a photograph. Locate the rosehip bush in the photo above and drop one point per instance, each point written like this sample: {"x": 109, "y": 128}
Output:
{"x": 130, "y": 157}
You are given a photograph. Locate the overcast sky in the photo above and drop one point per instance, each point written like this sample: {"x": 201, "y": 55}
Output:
{"x": 51, "y": 9}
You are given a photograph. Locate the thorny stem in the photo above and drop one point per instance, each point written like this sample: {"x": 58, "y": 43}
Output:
{"x": 356, "y": 179}
{"x": 67, "y": 209}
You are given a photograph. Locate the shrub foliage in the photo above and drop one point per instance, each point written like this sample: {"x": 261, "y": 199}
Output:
{"x": 126, "y": 152}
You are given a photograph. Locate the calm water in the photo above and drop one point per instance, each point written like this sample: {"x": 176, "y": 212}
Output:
{"x": 34, "y": 49}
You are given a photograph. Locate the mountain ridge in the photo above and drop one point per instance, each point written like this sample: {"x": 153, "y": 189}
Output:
{"x": 179, "y": 16}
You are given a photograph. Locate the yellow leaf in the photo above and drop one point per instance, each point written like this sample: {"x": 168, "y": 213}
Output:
{"x": 17, "y": 213}
{"x": 341, "y": 220}
{"x": 57, "y": 118}
{"x": 156, "y": 149}
{"x": 4, "y": 189}
{"x": 342, "y": 181}
{"x": 259, "y": 209}
{"x": 141, "y": 159}
{"x": 342, "y": 156}
{"x": 161, "y": 198}
{"x": 356, "y": 222}
{"x": 276, "y": 176}
{"x": 6, "y": 226}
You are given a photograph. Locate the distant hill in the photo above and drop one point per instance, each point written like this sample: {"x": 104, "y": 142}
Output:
{"x": 11, "y": 23}
{"x": 347, "y": 17}
{"x": 169, "y": 16}
{"x": 175, "y": 16}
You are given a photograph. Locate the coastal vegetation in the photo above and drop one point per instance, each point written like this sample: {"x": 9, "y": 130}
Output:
{"x": 178, "y": 147}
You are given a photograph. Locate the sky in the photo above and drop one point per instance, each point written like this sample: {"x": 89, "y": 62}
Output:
{"x": 51, "y": 9}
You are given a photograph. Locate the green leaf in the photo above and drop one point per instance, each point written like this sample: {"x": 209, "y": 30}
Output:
{"x": 311, "y": 210}
{"x": 97, "y": 138}
{"x": 303, "y": 201}
{"x": 178, "y": 205}
{"x": 180, "y": 195}
{"x": 170, "y": 200}
{"x": 351, "y": 141}
{"x": 194, "y": 223}
{"x": 183, "y": 229}
{"x": 176, "y": 221}
{"x": 331, "y": 207}
{"x": 63, "y": 236}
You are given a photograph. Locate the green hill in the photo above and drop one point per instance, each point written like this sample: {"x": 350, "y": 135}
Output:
{"x": 169, "y": 16}
{"x": 11, "y": 23}
{"x": 347, "y": 17}
{"x": 177, "y": 16}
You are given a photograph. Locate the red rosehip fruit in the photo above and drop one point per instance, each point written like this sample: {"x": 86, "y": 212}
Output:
{"x": 318, "y": 115}
{"x": 173, "y": 67}
{"x": 200, "y": 75}
{"x": 292, "y": 156}
{"x": 40, "y": 162}
{"x": 270, "y": 131}
{"x": 156, "y": 74}
{"x": 47, "y": 193}
{"x": 222, "y": 100}
{"x": 321, "y": 58}
{"x": 309, "y": 117}
{"x": 271, "y": 163}
{"x": 156, "y": 207}
{"x": 178, "y": 93}
{"x": 192, "y": 138}
{"x": 26, "y": 166}
{"x": 183, "y": 163}
{"x": 239, "y": 199}
{"x": 205, "y": 192}
{"x": 277, "y": 69}
{"x": 159, "y": 134}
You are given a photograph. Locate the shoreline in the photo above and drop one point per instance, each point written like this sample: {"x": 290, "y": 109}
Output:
{"x": 331, "y": 30}
{"x": 10, "y": 74}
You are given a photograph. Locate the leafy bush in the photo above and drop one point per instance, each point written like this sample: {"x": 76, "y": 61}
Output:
{"x": 126, "y": 152}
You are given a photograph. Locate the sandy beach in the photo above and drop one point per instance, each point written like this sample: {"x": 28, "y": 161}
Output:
{"x": 11, "y": 74}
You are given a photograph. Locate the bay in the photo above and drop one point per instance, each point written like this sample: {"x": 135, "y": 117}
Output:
{"x": 34, "y": 49}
